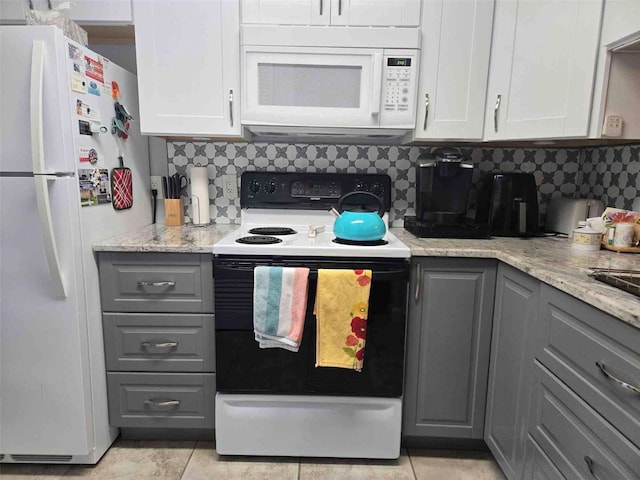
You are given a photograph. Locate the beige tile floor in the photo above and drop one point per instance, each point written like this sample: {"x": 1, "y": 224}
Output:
{"x": 190, "y": 460}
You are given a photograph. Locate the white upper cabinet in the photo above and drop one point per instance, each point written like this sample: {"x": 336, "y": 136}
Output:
{"x": 454, "y": 64}
{"x": 383, "y": 13}
{"x": 543, "y": 59}
{"x": 188, "y": 59}
{"x": 286, "y": 12}
{"x": 86, "y": 12}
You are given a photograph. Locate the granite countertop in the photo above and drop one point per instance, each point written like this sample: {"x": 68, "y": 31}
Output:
{"x": 160, "y": 238}
{"x": 551, "y": 260}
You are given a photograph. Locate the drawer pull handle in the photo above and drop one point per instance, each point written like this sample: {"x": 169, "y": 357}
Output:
{"x": 159, "y": 345}
{"x": 142, "y": 283}
{"x": 590, "y": 465}
{"x": 161, "y": 403}
{"x": 622, "y": 383}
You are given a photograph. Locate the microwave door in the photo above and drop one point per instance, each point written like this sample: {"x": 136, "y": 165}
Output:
{"x": 312, "y": 87}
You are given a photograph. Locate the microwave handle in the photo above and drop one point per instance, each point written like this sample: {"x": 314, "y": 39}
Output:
{"x": 377, "y": 84}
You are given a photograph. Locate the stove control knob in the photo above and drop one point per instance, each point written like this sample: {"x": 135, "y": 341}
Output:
{"x": 359, "y": 186}
{"x": 254, "y": 187}
{"x": 377, "y": 189}
{"x": 271, "y": 186}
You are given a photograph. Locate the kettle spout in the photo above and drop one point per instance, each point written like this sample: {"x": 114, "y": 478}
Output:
{"x": 335, "y": 212}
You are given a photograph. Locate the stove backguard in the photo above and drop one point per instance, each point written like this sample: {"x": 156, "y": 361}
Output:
{"x": 242, "y": 367}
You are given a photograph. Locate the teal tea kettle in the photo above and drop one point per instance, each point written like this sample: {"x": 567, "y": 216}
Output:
{"x": 357, "y": 222}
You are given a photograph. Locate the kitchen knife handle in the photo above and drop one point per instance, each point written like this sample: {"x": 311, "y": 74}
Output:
{"x": 426, "y": 110}
{"x": 143, "y": 283}
{"x": 231, "y": 106}
{"x": 159, "y": 345}
{"x": 622, "y": 383}
{"x": 157, "y": 402}
{"x": 418, "y": 280}
{"x": 590, "y": 465}
{"x": 495, "y": 113}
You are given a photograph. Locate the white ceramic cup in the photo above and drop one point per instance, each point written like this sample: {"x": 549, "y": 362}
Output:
{"x": 623, "y": 236}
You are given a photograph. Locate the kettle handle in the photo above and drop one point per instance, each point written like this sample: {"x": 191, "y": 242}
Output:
{"x": 360, "y": 192}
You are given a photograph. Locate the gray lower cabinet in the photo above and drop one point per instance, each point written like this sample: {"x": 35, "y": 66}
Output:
{"x": 585, "y": 411}
{"x": 159, "y": 332}
{"x": 514, "y": 321}
{"x": 449, "y": 334}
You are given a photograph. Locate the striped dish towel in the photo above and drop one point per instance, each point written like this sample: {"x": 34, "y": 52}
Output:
{"x": 279, "y": 306}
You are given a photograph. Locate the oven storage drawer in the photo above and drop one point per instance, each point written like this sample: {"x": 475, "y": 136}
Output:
{"x": 146, "y": 342}
{"x": 161, "y": 400}
{"x": 156, "y": 282}
{"x": 578, "y": 343}
{"x": 575, "y": 437}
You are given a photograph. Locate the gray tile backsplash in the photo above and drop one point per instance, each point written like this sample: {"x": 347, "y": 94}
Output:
{"x": 609, "y": 173}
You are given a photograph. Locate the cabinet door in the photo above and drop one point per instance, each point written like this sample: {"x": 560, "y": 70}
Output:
{"x": 399, "y": 13}
{"x": 188, "y": 59}
{"x": 542, "y": 68}
{"x": 449, "y": 333}
{"x": 516, "y": 312}
{"x": 456, "y": 41}
{"x": 286, "y": 12}
{"x": 98, "y": 12}
{"x": 12, "y": 11}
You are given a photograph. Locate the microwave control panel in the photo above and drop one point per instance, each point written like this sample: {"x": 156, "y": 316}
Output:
{"x": 399, "y": 78}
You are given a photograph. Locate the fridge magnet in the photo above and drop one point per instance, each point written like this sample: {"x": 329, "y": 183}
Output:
{"x": 94, "y": 186}
{"x": 88, "y": 155}
{"x": 122, "y": 186}
{"x": 86, "y": 110}
{"x": 94, "y": 69}
{"x": 77, "y": 67}
{"x": 78, "y": 84}
{"x": 74, "y": 52}
{"x": 84, "y": 127}
{"x": 115, "y": 90}
{"x": 93, "y": 89}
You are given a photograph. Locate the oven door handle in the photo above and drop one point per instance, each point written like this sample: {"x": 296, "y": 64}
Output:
{"x": 313, "y": 274}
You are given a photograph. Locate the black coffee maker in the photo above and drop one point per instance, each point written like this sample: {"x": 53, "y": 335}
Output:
{"x": 443, "y": 180}
{"x": 509, "y": 202}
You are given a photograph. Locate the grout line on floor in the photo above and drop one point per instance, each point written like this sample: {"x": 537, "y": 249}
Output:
{"x": 413, "y": 470}
{"x": 188, "y": 460}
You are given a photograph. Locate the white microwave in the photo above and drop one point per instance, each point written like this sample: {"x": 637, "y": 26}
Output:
{"x": 314, "y": 88}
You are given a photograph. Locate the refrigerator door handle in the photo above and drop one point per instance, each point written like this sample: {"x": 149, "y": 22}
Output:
{"x": 42, "y": 181}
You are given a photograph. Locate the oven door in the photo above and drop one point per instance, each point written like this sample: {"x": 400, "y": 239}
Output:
{"x": 243, "y": 367}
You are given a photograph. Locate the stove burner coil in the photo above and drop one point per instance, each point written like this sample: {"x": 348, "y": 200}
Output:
{"x": 361, "y": 243}
{"x": 272, "y": 231}
{"x": 258, "y": 240}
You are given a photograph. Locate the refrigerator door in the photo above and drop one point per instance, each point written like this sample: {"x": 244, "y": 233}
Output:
{"x": 20, "y": 95}
{"x": 44, "y": 360}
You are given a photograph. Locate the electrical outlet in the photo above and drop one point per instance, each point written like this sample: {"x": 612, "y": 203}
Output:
{"x": 230, "y": 186}
{"x": 612, "y": 126}
{"x": 156, "y": 183}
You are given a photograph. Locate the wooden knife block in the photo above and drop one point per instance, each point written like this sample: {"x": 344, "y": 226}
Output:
{"x": 173, "y": 212}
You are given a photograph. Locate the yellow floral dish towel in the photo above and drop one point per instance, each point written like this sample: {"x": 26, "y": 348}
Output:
{"x": 342, "y": 304}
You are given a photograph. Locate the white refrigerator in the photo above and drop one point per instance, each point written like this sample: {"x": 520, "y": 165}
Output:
{"x": 55, "y": 167}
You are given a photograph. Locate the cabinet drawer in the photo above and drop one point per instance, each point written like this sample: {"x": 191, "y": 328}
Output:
{"x": 572, "y": 434}
{"x": 538, "y": 466}
{"x": 147, "y": 342}
{"x": 161, "y": 400}
{"x": 576, "y": 341}
{"x": 156, "y": 282}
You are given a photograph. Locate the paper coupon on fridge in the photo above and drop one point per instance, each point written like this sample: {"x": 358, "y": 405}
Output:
{"x": 94, "y": 69}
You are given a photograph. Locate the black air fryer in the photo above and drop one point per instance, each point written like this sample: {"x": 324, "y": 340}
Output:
{"x": 509, "y": 203}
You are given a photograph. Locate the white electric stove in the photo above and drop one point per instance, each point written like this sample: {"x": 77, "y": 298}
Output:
{"x": 313, "y": 236}
{"x": 277, "y": 402}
